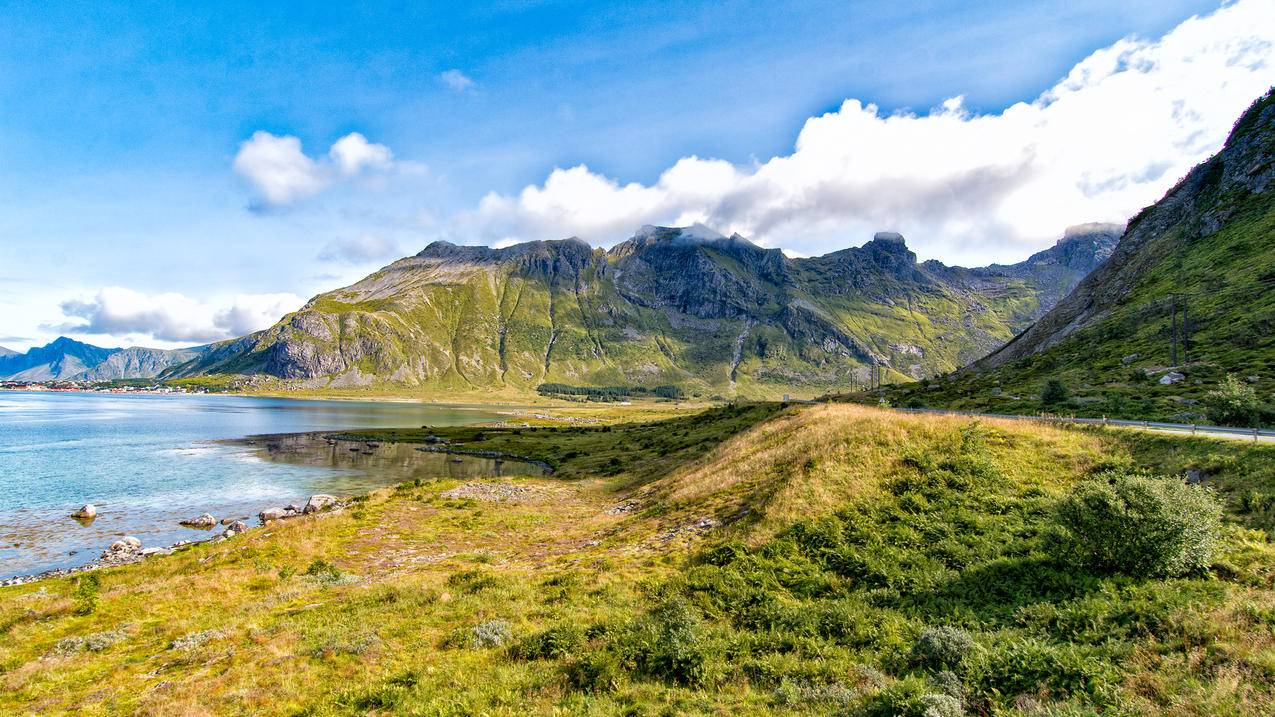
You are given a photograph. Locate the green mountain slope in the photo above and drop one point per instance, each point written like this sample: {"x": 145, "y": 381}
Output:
{"x": 682, "y": 307}
{"x": 1199, "y": 265}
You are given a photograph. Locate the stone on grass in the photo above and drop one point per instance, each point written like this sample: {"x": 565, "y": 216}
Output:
{"x": 1171, "y": 378}
{"x": 319, "y": 503}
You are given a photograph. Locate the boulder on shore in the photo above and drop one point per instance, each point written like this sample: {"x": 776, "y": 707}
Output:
{"x": 87, "y": 512}
{"x": 201, "y": 521}
{"x": 125, "y": 550}
{"x": 126, "y": 544}
{"x": 234, "y": 529}
{"x": 320, "y": 502}
{"x": 270, "y": 514}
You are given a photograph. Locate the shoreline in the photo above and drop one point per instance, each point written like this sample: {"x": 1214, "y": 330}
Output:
{"x": 102, "y": 562}
{"x": 257, "y": 441}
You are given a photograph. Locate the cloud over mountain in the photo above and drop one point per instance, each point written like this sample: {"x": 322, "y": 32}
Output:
{"x": 1106, "y": 140}
{"x": 360, "y": 250}
{"x": 119, "y": 311}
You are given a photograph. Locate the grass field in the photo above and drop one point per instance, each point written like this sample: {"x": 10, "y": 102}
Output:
{"x": 747, "y": 559}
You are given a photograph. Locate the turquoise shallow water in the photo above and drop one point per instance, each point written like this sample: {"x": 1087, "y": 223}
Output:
{"x": 147, "y": 461}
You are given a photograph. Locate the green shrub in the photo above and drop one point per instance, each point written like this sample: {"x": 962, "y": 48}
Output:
{"x": 1234, "y": 403}
{"x": 555, "y": 642}
{"x": 911, "y": 697}
{"x": 87, "y": 587}
{"x": 942, "y": 647}
{"x": 594, "y": 672}
{"x": 1137, "y": 524}
{"x": 664, "y": 644}
{"x": 321, "y": 568}
{"x": 1054, "y": 393}
{"x": 1029, "y": 665}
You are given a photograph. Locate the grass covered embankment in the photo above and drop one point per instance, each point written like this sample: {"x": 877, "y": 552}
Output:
{"x": 750, "y": 560}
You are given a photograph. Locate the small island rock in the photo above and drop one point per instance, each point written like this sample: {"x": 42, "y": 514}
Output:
{"x": 201, "y": 521}
{"x": 88, "y": 512}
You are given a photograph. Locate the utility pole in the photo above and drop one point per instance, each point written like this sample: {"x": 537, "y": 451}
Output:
{"x": 1186, "y": 331}
{"x": 1173, "y": 329}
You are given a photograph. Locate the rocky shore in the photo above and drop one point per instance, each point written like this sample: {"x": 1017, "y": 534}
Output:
{"x": 128, "y": 549}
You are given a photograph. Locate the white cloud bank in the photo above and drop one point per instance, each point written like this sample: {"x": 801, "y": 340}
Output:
{"x": 281, "y": 173}
{"x": 1108, "y": 139}
{"x": 172, "y": 317}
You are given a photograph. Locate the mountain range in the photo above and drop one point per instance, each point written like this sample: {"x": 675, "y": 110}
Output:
{"x": 68, "y": 359}
{"x": 686, "y": 307}
{"x": 1185, "y": 289}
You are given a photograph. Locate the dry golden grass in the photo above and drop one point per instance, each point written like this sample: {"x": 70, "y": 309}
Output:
{"x": 812, "y": 461}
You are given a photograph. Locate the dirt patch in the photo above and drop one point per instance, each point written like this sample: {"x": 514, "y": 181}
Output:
{"x": 488, "y": 492}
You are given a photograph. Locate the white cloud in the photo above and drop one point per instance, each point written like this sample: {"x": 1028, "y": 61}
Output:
{"x": 1108, "y": 139}
{"x": 282, "y": 174}
{"x": 456, "y": 80}
{"x": 353, "y": 153}
{"x": 360, "y": 250}
{"x": 172, "y": 317}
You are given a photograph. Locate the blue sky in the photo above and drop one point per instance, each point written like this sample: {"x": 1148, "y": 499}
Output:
{"x": 121, "y": 125}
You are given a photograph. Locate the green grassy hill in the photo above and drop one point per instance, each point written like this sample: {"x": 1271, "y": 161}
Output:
{"x": 713, "y": 316}
{"x": 1198, "y": 265}
{"x": 750, "y": 560}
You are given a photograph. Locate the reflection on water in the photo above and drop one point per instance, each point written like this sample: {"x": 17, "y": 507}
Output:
{"x": 371, "y": 464}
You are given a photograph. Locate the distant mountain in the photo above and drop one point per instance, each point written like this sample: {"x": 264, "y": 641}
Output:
{"x": 669, "y": 306}
{"x": 1194, "y": 272}
{"x": 7, "y": 352}
{"x": 66, "y": 359}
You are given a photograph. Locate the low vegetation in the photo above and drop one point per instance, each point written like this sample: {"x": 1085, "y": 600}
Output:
{"x": 751, "y": 559}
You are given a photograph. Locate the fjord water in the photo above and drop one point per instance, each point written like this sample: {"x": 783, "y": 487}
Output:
{"x": 148, "y": 461}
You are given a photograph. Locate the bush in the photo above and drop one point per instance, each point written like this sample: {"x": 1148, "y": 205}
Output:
{"x": 1054, "y": 393}
{"x": 594, "y": 672}
{"x": 87, "y": 587}
{"x": 942, "y": 647}
{"x": 557, "y": 641}
{"x": 492, "y": 633}
{"x": 1030, "y": 665}
{"x": 1233, "y": 403}
{"x": 1137, "y": 524}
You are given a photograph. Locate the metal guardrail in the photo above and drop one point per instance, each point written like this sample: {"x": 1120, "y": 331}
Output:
{"x": 1192, "y": 428}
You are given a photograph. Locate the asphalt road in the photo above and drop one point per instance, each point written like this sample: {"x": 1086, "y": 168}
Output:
{"x": 1256, "y": 435}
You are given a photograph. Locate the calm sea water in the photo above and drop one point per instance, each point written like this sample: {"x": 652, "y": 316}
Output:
{"x": 147, "y": 461}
